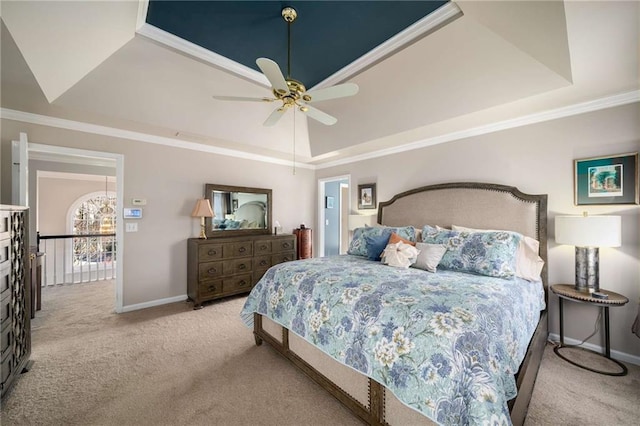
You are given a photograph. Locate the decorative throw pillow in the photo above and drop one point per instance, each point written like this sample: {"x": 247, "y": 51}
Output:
{"x": 376, "y": 245}
{"x": 395, "y": 238}
{"x": 399, "y": 254}
{"x": 358, "y": 245}
{"x": 429, "y": 256}
{"x": 528, "y": 263}
{"x": 484, "y": 253}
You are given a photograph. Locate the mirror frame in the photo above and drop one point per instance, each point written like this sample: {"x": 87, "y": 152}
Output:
{"x": 208, "y": 191}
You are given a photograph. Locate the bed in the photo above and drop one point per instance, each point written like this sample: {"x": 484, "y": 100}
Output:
{"x": 448, "y": 347}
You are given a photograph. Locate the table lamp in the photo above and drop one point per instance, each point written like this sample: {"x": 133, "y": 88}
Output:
{"x": 202, "y": 209}
{"x": 588, "y": 234}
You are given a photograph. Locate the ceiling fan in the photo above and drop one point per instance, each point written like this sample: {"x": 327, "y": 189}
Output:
{"x": 290, "y": 92}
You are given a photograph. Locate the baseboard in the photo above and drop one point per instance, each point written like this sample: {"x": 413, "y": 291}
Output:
{"x": 620, "y": 356}
{"x": 153, "y": 303}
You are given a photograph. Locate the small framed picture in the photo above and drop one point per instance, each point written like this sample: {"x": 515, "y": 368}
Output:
{"x": 367, "y": 196}
{"x": 606, "y": 180}
{"x": 329, "y": 202}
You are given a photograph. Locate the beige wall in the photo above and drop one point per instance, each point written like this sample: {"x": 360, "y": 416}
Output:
{"x": 536, "y": 159}
{"x": 171, "y": 179}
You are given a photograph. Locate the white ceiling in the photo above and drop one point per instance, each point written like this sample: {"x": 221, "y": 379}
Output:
{"x": 502, "y": 62}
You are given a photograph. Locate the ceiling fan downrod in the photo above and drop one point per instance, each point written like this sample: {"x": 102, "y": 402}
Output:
{"x": 289, "y": 14}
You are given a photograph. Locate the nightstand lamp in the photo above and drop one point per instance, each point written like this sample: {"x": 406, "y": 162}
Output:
{"x": 202, "y": 209}
{"x": 588, "y": 234}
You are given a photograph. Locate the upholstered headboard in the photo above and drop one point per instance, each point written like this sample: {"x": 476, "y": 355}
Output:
{"x": 471, "y": 204}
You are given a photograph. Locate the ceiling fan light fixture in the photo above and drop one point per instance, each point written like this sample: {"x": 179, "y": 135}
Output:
{"x": 292, "y": 92}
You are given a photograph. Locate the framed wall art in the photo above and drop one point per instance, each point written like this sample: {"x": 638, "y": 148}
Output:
{"x": 328, "y": 202}
{"x": 606, "y": 180}
{"x": 367, "y": 196}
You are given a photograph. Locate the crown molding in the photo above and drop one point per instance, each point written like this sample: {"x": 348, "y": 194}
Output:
{"x": 568, "y": 111}
{"x": 414, "y": 32}
{"x": 61, "y": 123}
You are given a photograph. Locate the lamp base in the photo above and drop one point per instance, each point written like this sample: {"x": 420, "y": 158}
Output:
{"x": 587, "y": 269}
{"x": 203, "y": 234}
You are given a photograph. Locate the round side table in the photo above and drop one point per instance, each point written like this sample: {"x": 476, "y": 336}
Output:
{"x": 569, "y": 292}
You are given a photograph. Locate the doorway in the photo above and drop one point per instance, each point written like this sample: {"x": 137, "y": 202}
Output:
{"x": 333, "y": 214}
{"x": 80, "y": 157}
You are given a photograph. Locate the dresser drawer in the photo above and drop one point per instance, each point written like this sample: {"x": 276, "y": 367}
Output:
{"x": 6, "y": 311}
{"x": 283, "y": 245}
{"x": 262, "y": 247}
{"x": 261, "y": 263}
{"x": 238, "y": 266}
{"x": 209, "y": 289}
{"x": 241, "y": 282}
{"x": 6, "y": 369}
{"x": 209, "y": 252}
{"x": 4, "y": 252}
{"x": 5, "y": 280}
{"x": 210, "y": 270}
{"x": 239, "y": 249}
{"x": 5, "y": 225}
{"x": 282, "y": 257}
{"x": 6, "y": 341}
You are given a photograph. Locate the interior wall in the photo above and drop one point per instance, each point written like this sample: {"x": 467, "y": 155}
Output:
{"x": 172, "y": 179}
{"x": 537, "y": 159}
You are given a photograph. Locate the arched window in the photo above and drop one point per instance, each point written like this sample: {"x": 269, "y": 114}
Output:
{"x": 92, "y": 214}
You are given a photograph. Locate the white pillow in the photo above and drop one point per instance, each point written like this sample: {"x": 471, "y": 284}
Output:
{"x": 429, "y": 256}
{"x": 400, "y": 255}
{"x": 528, "y": 263}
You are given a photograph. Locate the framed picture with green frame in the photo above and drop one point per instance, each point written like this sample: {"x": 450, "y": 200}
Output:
{"x": 606, "y": 180}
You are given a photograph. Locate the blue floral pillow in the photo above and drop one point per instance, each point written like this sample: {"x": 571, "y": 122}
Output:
{"x": 358, "y": 244}
{"x": 484, "y": 253}
{"x": 376, "y": 244}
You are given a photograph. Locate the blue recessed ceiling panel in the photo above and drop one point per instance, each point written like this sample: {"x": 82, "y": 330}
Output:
{"x": 325, "y": 37}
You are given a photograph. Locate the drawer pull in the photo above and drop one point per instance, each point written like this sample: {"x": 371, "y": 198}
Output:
{"x": 242, "y": 283}
{"x": 242, "y": 266}
{"x": 242, "y": 249}
{"x": 212, "y": 252}
{"x": 212, "y": 271}
{"x": 286, "y": 259}
{"x": 285, "y": 245}
{"x": 263, "y": 247}
{"x": 212, "y": 288}
{"x": 263, "y": 263}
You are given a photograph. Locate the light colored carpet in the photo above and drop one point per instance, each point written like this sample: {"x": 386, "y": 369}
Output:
{"x": 171, "y": 365}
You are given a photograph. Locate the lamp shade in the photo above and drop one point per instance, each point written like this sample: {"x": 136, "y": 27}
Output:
{"x": 589, "y": 231}
{"x": 202, "y": 208}
{"x": 360, "y": 221}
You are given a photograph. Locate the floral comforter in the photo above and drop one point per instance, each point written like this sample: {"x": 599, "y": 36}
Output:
{"x": 446, "y": 344}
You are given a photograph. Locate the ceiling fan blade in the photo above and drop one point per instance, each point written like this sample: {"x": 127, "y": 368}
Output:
{"x": 316, "y": 114}
{"x": 271, "y": 70}
{"x": 242, "y": 98}
{"x": 333, "y": 92}
{"x": 275, "y": 116}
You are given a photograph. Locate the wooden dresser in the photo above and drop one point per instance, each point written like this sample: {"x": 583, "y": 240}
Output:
{"x": 15, "y": 295}
{"x": 220, "y": 267}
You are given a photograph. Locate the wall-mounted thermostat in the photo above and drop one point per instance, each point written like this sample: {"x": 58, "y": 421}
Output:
{"x": 132, "y": 213}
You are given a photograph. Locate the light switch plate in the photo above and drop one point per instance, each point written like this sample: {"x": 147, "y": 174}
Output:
{"x": 139, "y": 201}
{"x": 131, "y": 227}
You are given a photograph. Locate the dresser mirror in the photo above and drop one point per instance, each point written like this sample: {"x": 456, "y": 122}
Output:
{"x": 238, "y": 210}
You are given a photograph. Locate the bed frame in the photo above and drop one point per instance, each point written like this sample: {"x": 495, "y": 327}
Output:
{"x": 471, "y": 204}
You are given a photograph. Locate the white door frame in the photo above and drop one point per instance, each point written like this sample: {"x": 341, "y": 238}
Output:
{"x": 119, "y": 160}
{"x": 320, "y": 204}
